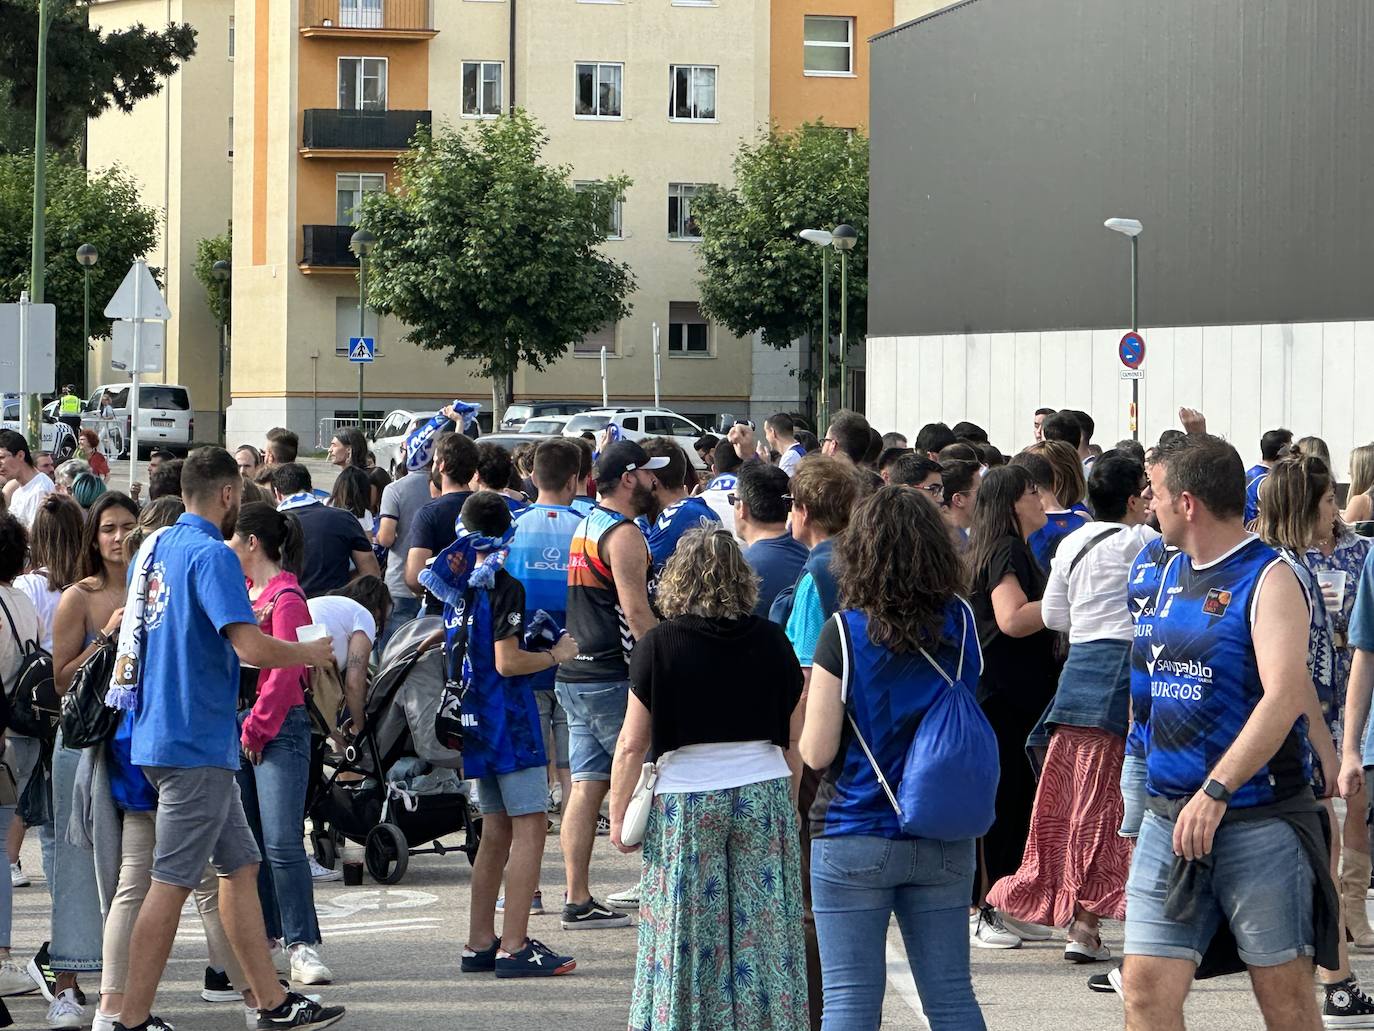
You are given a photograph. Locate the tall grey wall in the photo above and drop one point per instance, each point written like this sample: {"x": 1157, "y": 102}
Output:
{"x": 1241, "y": 132}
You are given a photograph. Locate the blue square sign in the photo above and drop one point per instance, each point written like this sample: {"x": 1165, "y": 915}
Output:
{"x": 362, "y": 349}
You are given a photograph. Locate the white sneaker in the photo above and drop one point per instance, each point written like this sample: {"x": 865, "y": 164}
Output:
{"x": 323, "y": 873}
{"x": 627, "y": 899}
{"x": 307, "y": 967}
{"x": 103, "y": 1021}
{"x": 281, "y": 962}
{"x": 18, "y": 878}
{"x": 13, "y": 980}
{"x": 986, "y": 931}
{"x": 1026, "y": 931}
{"x": 65, "y": 1011}
{"x": 1078, "y": 952}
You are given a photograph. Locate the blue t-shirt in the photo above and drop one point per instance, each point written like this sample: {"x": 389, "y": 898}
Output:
{"x": 806, "y": 620}
{"x": 515, "y": 505}
{"x": 539, "y": 560}
{"x": 582, "y": 506}
{"x": 1045, "y": 540}
{"x": 1361, "y": 635}
{"x": 130, "y": 789}
{"x": 187, "y": 712}
{"x": 672, "y": 523}
{"x": 1252, "y": 488}
{"x": 778, "y": 562}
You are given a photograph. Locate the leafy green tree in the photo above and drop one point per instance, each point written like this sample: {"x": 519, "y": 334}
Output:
{"x": 217, "y": 294}
{"x": 102, "y": 209}
{"x": 757, "y": 274}
{"x": 89, "y": 70}
{"x": 488, "y": 254}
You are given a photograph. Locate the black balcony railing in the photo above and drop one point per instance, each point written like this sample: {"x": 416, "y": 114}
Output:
{"x": 327, "y": 247}
{"x": 328, "y": 129}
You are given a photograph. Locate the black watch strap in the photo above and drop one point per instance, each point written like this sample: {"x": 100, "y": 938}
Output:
{"x": 1214, "y": 788}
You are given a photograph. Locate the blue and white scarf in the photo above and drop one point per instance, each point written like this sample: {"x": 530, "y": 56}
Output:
{"x": 128, "y": 668}
{"x": 613, "y": 435}
{"x": 472, "y": 560}
{"x": 300, "y": 499}
{"x": 419, "y": 446}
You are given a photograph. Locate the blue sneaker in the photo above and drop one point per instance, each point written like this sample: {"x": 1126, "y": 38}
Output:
{"x": 536, "y": 904}
{"x": 535, "y": 960}
{"x": 479, "y": 962}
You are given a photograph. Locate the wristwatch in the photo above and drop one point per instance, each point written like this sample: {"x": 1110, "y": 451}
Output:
{"x": 1215, "y": 789}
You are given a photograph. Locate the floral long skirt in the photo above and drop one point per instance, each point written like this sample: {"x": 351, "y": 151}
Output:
{"x": 721, "y": 942}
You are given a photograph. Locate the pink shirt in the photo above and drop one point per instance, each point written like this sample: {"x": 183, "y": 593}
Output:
{"x": 281, "y": 610}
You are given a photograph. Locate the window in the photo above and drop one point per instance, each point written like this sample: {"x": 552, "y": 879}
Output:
{"x": 231, "y": 37}
{"x": 362, "y": 84}
{"x": 598, "y": 90}
{"x": 360, "y": 14}
{"x": 688, "y": 330}
{"x": 481, "y": 89}
{"x": 590, "y": 346}
{"x": 346, "y": 325}
{"x": 829, "y": 48}
{"x": 631, "y": 423}
{"x": 349, "y": 188}
{"x": 692, "y": 89}
{"x": 231, "y": 137}
{"x": 613, "y": 222}
{"x": 681, "y": 224}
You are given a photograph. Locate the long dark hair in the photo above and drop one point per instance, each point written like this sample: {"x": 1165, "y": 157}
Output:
{"x": 372, "y": 594}
{"x": 353, "y": 439}
{"x": 352, "y": 491}
{"x": 279, "y": 533}
{"x": 55, "y": 540}
{"x": 899, "y": 567}
{"x": 92, "y": 565}
{"x": 994, "y": 514}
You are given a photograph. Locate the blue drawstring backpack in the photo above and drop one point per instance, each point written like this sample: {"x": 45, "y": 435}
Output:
{"x": 949, "y": 779}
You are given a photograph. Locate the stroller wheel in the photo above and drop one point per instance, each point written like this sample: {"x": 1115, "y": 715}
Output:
{"x": 387, "y": 854}
{"x": 326, "y": 851}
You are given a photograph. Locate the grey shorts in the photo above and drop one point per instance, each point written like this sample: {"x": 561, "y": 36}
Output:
{"x": 199, "y": 819}
{"x": 554, "y": 722}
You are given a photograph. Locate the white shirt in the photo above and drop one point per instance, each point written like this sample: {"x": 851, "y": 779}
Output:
{"x": 25, "y": 625}
{"x": 790, "y": 457}
{"x": 720, "y": 765}
{"x": 1091, "y": 605}
{"x": 25, "y": 500}
{"x": 719, "y": 500}
{"x": 342, "y": 617}
{"x": 45, "y": 600}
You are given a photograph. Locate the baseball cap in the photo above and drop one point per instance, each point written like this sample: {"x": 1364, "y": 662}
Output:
{"x": 622, "y": 457}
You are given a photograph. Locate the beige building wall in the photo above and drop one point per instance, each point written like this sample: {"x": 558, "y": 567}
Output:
{"x": 176, "y": 146}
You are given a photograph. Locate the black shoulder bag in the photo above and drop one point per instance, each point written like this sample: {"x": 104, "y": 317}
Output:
{"x": 31, "y": 694}
{"x": 86, "y": 719}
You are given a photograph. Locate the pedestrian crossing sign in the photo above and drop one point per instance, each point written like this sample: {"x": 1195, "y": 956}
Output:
{"x": 361, "y": 349}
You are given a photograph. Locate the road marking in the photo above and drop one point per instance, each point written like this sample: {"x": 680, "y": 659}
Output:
{"x": 899, "y": 974}
{"x": 198, "y": 934}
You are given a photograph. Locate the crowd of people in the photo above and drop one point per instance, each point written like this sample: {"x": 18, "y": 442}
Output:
{"x": 819, "y": 680}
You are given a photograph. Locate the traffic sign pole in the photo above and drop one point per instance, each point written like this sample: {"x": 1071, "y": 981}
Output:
{"x": 1135, "y": 328}
{"x": 133, "y": 389}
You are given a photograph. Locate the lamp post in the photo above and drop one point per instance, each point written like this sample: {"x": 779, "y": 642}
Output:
{"x": 844, "y": 237}
{"x": 361, "y": 243}
{"x": 86, "y": 256}
{"x": 28, "y": 403}
{"x": 221, "y": 272}
{"x": 1131, "y": 228}
{"x": 821, "y": 238}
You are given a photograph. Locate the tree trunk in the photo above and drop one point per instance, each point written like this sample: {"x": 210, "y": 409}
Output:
{"x": 500, "y": 399}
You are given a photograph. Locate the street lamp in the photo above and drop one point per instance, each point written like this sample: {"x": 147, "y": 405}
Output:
{"x": 86, "y": 256}
{"x": 822, "y": 239}
{"x": 221, "y": 272}
{"x": 844, "y": 237}
{"x": 361, "y": 244}
{"x": 1131, "y": 228}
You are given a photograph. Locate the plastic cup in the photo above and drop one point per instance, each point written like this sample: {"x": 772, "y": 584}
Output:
{"x": 353, "y": 872}
{"x": 312, "y": 632}
{"x": 1332, "y": 583}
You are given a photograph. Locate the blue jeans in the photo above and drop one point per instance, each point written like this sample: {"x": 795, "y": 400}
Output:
{"x": 78, "y": 935}
{"x": 596, "y": 712}
{"x": 274, "y": 803}
{"x": 857, "y": 883}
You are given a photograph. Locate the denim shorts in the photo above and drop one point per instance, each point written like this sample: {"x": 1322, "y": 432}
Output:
{"x": 554, "y": 722}
{"x": 199, "y": 819}
{"x": 595, "y": 714}
{"x": 1133, "y": 794}
{"x": 1261, "y": 885}
{"x": 515, "y": 794}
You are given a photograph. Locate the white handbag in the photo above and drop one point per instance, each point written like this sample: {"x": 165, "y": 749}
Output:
{"x": 641, "y": 801}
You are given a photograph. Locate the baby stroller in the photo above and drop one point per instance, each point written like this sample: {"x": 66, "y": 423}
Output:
{"x": 395, "y": 787}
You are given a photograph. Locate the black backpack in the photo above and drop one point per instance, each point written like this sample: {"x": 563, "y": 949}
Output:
{"x": 86, "y": 719}
{"x": 31, "y": 693}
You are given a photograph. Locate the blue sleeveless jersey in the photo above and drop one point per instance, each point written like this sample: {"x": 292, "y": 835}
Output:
{"x": 1204, "y": 681}
{"x": 1141, "y": 587}
{"x": 539, "y": 560}
{"x": 1045, "y": 540}
{"x": 1252, "y": 488}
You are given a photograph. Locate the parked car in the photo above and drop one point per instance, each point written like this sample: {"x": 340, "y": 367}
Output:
{"x": 511, "y": 441}
{"x": 547, "y": 425}
{"x": 165, "y": 419}
{"x": 392, "y": 433}
{"x": 639, "y": 424}
{"x": 58, "y": 437}
{"x": 516, "y": 414}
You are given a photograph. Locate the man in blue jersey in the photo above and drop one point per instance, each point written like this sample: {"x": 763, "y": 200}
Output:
{"x": 1233, "y": 834}
{"x": 680, "y": 512}
{"x": 762, "y": 503}
{"x": 1272, "y": 447}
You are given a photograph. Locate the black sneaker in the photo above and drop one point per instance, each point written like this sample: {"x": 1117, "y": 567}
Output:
{"x": 535, "y": 960}
{"x": 1108, "y": 982}
{"x": 1346, "y": 1006}
{"x": 151, "y": 1024}
{"x": 40, "y": 969}
{"x": 481, "y": 961}
{"x": 592, "y": 916}
{"x": 296, "y": 1011}
{"x": 603, "y": 825}
{"x": 218, "y": 988}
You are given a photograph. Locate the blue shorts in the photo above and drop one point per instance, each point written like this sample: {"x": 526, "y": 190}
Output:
{"x": 595, "y": 714}
{"x": 515, "y": 794}
{"x": 1133, "y": 794}
{"x": 1261, "y": 885}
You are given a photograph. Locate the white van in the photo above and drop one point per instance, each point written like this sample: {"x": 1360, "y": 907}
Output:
{"x": 166, "y": 418}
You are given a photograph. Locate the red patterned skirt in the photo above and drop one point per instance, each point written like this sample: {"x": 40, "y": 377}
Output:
{"x": 1074, "y": 856}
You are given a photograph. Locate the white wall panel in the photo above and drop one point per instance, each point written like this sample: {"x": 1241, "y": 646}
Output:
{"x": 1338, "y": 397}
{"x": 1245, "y": 423}
{"x": 1216, "y": 373}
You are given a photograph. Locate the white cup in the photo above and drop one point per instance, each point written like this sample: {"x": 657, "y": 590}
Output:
{"x": 312, "y": 632}
{"x": 1332, "y": 584}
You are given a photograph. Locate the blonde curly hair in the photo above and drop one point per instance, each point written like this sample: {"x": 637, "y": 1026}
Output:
{"x": 707, "y": 576}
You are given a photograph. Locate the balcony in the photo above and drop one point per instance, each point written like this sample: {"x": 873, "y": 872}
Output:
{"x": 327, "y": 132}
{"x": 370, "y": 19}
{"x": 325, "y": 250}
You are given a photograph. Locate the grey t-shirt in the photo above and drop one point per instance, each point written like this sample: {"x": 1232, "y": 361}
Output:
{"x": 400, "y": 501}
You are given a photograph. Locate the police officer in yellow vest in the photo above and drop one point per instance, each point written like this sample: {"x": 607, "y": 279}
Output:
{"x": 69, "y": 408}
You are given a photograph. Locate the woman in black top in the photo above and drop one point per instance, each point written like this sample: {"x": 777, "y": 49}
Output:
{"x": 1020, "y": 671}
{"x": 713, "y": 690}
